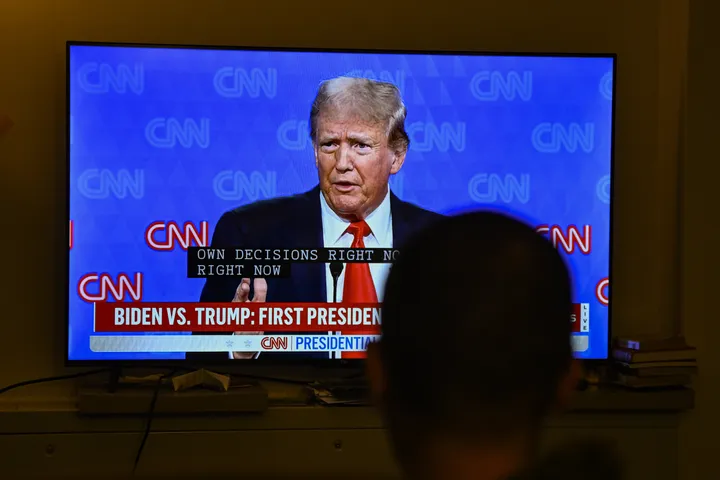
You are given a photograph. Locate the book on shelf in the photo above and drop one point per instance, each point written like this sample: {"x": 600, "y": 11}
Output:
{"x": 632, "y": 356}
{"x": 653, "y": 382}
{"x": 646, "y": 343}
{"x": 648, "y": 365}
{"x": 651, "y": 370}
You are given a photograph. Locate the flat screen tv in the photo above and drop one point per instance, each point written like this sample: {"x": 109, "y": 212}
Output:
{"x": 211, "y": 190}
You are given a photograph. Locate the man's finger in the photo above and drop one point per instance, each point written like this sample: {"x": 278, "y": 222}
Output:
{"x": 243, "y": 291}
{"x": 260, "y": 286}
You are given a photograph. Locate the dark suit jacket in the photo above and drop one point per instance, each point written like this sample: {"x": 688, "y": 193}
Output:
{"x": 291, "y": 222}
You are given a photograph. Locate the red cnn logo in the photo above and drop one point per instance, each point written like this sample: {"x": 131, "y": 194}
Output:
{"x": 71, "y": 234}
{"x": 568, "y": 241}
{"x": 175, "y": 236}
{"x": 274, "y": 343}
{"x": 109, "y": 287}
{"x": 602, "y": 291}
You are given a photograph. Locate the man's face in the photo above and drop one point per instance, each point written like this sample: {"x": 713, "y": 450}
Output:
{"x": 354, "y": 163}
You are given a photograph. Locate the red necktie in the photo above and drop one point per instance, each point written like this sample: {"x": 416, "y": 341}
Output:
{"x": 359, "y": 286}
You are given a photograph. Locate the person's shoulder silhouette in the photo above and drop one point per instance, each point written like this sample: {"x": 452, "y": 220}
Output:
{"x": 475, "y": 350}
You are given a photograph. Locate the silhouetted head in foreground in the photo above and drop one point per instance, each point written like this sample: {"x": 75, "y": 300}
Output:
{"x": 475, "y": 351}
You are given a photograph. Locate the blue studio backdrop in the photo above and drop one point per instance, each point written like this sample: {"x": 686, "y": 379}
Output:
{"x": 161, "y": 135}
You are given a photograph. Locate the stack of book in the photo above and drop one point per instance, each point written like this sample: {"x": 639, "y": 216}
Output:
{"x": 654, "y": 362}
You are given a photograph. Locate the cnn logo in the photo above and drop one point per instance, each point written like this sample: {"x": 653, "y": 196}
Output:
{"x": 602, "y": 292}
{"x": 101, "y": 287}
{"x": 166, "y": 236}
{"x": 572, "y": 240}
{"x": 100, "y": 78}
{"x": 274, "y": 343}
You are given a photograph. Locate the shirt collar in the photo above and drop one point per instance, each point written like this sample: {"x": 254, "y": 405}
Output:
{"x": 379, "y": 221}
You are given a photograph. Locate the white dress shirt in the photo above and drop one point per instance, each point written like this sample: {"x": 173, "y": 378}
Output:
{"x": 334, "y": 236}
{"x": 381, "y": 236}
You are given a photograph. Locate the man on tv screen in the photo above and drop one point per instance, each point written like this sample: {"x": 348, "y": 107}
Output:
{"x": 357, "y": 128}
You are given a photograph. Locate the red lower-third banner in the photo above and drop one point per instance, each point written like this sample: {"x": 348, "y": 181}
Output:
{"x": 254, "y": 317}
{"x": 237, "y": 317}
{"x": 580, "y": 318}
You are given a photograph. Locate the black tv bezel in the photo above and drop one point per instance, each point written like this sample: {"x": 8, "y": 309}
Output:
{"x": 269, "y": 361}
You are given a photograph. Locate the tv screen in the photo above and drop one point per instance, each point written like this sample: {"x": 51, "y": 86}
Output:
{"x": 246, "y": 204}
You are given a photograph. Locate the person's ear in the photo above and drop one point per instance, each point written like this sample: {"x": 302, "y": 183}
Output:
{"x": 568, "y": 385}
{"x": 375, "y": 373}
{"x": 398, "y": 160}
